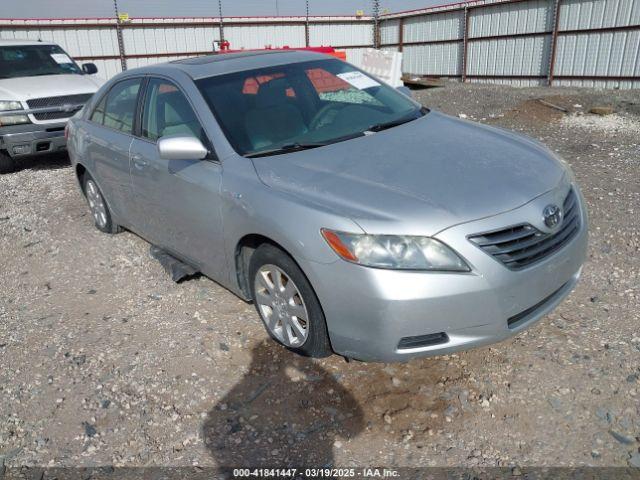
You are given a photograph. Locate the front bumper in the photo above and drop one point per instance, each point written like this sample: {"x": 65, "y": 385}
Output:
{"x": 32, "y": 139}
{"x": 369, "y": 311}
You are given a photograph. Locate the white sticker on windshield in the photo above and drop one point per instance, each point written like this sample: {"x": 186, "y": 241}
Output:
{"x": 61, "y": 58}
{"x": 358, "y": 80}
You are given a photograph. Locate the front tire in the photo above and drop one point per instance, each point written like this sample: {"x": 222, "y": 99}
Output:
{"x": 7, "y": 164}
{"x": 287, "y": 304}
{"x": 98, "y": 206}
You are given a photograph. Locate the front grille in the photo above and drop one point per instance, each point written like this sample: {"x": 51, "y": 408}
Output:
{"x": 522, "y": 245}
{"x": 47, "y": 102}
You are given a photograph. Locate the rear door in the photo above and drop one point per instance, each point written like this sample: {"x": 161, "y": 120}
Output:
{"x": 109, "y": 133}
{"x": 177, "y": 201}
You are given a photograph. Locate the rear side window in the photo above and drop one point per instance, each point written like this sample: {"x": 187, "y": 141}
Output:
{"x": 118, "y": 108}
{"x": 98, "y": 114}
{"x": 168, "y": 112}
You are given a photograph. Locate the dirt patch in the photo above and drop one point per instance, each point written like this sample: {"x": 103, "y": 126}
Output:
{"x": 533, "y": 111}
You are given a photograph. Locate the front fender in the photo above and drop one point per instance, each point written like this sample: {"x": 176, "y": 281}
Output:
{"x": 249, "y": 207}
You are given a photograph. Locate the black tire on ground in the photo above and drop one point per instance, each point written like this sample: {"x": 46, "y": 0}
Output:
{"x": 107, "y": 226}
{"x": 7, "y": 164}
{"x": 317, "y": 343}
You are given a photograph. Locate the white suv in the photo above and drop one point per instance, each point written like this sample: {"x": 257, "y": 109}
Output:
{"x": 41, "y": 87}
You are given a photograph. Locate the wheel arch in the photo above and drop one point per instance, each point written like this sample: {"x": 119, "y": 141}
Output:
{"x": 245, "y": 248}
{"x": 242, "y": 256}
{"x": 81, "y": 170}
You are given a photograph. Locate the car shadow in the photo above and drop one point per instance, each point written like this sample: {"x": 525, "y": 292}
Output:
{"x": 285, "y": 411}
{"x": 53, "y": 161}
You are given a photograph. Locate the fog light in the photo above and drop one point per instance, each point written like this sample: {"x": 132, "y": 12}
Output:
{"x": 21, "y": 149}
{"x": 423, "y": 341}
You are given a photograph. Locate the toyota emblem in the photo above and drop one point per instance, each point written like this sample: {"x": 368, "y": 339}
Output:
{"x": 552, "y": 215}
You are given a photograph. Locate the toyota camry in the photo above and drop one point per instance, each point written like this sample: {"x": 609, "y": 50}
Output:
{"x": 355, "y": 219}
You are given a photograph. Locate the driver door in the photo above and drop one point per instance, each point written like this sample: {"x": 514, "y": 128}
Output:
{"x": 177, "y": 201}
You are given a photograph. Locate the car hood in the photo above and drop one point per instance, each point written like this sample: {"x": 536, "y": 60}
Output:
{"x": 418, "y": 178}
{"x": 25, "y": 88}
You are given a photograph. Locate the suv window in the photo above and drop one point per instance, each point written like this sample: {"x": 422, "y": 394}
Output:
{"x": 168, "y": 112}
{"x": 118, "y": 107}
{"x": 35, "y": 60}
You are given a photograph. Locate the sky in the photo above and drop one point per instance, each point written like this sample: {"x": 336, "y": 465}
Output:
{"x": 197, "y": 8}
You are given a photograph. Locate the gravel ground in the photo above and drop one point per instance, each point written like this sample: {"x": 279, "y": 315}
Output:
{"x": 105, "y": 361}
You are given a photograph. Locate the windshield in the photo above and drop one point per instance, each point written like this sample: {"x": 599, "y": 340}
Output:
{"x": 302, "y": 105}
{"x": 33, "y": 60}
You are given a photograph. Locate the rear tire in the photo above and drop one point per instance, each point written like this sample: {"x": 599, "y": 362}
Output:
{"x": 287, "y": 304}
{"x": 98, "y": 206}
{"x": 7, "y": 164}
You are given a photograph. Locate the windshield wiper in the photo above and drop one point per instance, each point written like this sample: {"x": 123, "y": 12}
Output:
{"x": 290, "y": 147}
{"x": 378, "y": 127}
{"x": 297, "y": 146}
{"x": 42, "y": 74}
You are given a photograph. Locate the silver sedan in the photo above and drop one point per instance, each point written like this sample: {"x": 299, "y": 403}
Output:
{"x": 357, "y": 221}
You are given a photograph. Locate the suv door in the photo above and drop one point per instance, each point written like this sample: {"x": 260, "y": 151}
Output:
{"x": 177, "y": 201}
{"x": 109, "y": 133}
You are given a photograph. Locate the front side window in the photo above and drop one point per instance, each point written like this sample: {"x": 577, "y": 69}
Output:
{"x": 168, "y": 112}
{"x": 35, "y": 60}
{"x": 117, "y": 108}
{"x": 302, "y": 105}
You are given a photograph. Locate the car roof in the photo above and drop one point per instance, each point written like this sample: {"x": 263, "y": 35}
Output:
{"x": 222, "y": 63}
{"x": 19, "y": 42}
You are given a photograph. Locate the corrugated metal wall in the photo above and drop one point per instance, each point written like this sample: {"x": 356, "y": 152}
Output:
{"x": 153, "y": 40}
{"x": 522, "y": 42}
{"x": 610, "y": 49}
{"x": 518, "y": 42}
{"x": 433, "y": 43}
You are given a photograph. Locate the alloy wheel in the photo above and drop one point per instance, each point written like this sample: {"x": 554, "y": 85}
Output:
{"x": 96, "y": 204}
{"x": 281, "y": 306}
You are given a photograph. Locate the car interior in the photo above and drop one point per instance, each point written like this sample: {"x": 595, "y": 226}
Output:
{"x": 275, "y": 116}
{"x": 167, "y": 112}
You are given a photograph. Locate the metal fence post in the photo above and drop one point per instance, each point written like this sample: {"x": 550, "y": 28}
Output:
{"x": 123, "y": 58}
{"x": 465, "y": 42}
{"x": 376, "y": 24}
{"x": 401, "y": 34}
{"x": 220, "y": 18}
{"x": 554, "y": 41}
{"x": 306, "y": 25}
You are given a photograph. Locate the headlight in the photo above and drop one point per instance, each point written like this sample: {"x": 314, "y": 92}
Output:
{"x": 8, "y": 105}
{"x": 395, "y": 251}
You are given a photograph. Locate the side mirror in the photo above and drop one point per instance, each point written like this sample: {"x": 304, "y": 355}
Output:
{"x": 405, "y": 90}
{"x": 89, "y": 68}
{"x": 181, "y": 148}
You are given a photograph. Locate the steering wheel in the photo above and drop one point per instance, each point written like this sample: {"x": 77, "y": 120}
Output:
{"x": 317, "y": 121}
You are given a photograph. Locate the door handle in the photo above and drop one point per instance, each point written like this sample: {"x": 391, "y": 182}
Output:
{"x": 139, "y": 162}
